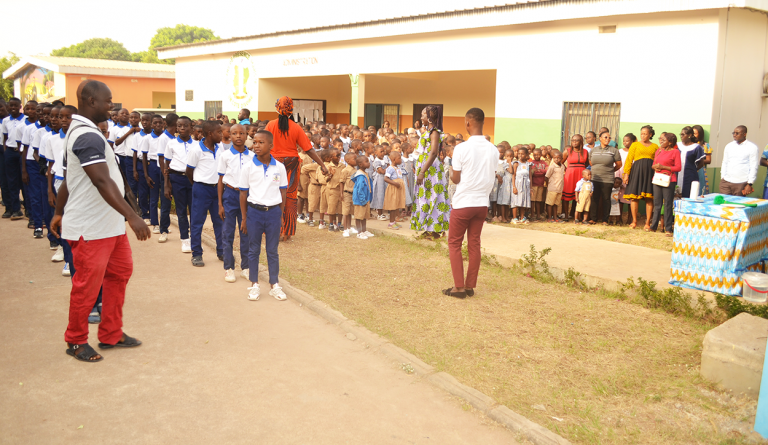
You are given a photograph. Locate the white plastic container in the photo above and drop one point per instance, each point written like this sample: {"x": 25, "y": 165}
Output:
{"x": 754, "y": 286}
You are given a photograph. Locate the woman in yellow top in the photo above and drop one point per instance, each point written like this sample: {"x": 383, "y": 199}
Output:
{"x": 638, "y": 175}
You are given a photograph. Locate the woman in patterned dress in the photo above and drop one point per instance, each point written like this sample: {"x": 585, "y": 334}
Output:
{"x": 431, "y": 205}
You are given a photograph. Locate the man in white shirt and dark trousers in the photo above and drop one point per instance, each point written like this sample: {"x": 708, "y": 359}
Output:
{"x": 263, "y": 187}
{"x": 474, "y": 171}
{"x": 741, "y": 159}
{"x": 202, "y": 172}
{"x": 91, "y": 201}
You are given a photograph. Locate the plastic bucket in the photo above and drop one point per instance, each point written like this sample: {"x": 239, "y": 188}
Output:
{"x": 754, "y": 286}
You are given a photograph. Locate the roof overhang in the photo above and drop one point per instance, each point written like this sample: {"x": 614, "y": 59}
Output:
{"x": 520, "y": 12}
{"x": 18, "y": 68}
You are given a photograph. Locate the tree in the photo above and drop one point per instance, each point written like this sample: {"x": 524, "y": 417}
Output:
{"x": 97, "y": 48}
{"x": 179, "y": 35}
{"x": 6, "y": 85}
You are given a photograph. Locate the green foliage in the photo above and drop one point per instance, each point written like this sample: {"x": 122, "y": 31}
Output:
{"x": 103, "y": 48}
{"x": 6, "y": 85}
{"x": 537, "y": 266}
{"x": 179, "y": 35}
{"x": 571, "y": 278}
{"x": 733, "y": 306}
{"x": 96, "y": 48}
{"x": 673, "y": 301}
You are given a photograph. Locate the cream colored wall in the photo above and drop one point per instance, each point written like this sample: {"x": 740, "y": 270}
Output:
{"x": 60, "y": 84}
{"x": 743, "y": 49}
{"x": 163, "y": 100}
{"x": 336, "y": 90}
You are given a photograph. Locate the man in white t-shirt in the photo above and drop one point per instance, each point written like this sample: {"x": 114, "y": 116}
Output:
{"x": 91, "y": 210}
{"x": 474, "y": 170}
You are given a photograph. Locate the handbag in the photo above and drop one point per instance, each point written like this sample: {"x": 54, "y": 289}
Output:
{"x": 660, "y": 179}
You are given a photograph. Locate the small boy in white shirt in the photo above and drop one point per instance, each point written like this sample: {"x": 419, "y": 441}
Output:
{"x": 202, "y": 172}
{"x": 584, "y": 190}
{"x": 263, "y": 185}
{"x": 176, "y": 181}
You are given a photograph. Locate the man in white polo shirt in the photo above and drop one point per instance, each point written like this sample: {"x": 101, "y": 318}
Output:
{"x": 741, "y": 159}
{"x": 92, "y": 211}
{"x": 474, "y": 170}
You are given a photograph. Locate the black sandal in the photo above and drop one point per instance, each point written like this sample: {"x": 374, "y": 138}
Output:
{"x": 126, "y": 342}
{"x": 449, "y": 292}
{"x": 83, "y": 352}
{"x": 470, "y": 292}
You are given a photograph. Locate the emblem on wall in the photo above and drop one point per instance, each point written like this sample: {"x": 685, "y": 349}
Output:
{"x": 240, "y": 79}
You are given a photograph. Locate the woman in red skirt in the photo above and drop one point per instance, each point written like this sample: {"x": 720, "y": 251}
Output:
{"x": 576, "y": 160}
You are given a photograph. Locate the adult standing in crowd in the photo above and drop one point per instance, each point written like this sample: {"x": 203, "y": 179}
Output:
{"x": 473, "y": 171}
{"x": 244, "y": 117}
{"x": 698, "y": 133}
{"x": 692, "y": 157}
{"x": 431, "y": 206}
{"x": 576, "y": 160}
{"x": 91, "y": 210}
{"x": 287, "y": 135}
{"x": 638, "y": 175}
{"x": 605, "y": 161}
{"x": 740, "y": 161}
{"x": 666, "y": 161}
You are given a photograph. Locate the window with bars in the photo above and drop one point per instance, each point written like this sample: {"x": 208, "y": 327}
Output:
{"x": 581, "y": 117}
{"x": 212, "y": 108}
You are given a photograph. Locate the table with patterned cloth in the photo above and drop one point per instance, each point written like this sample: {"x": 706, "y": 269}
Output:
{"x": 715, "y": 244}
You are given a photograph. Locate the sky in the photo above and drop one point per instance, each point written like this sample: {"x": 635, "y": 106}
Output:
{"x": 134, "y": 23}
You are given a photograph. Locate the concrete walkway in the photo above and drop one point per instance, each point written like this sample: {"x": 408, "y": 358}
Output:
{"x": 605, "y": 261}
{"x": 214, "y": 368}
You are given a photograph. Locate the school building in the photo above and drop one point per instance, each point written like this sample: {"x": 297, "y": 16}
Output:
{"x": 541, "y": 70}
{"x": 134, "y": 85}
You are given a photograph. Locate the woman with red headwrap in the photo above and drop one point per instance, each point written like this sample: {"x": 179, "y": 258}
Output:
{"x": 287, "y": 135}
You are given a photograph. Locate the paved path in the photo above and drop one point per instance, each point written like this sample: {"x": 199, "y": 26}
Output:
{"x": 214, "y": 368}
{"x": 605, "y": 260}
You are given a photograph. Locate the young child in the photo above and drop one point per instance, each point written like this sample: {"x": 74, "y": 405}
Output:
{"x": 494, "y": 216}
{"x": 139, "y": 175}
{"x": 361, "y": 197}
{"x": 538, "y": 170}
{"x": 394, "y": 196}
{"x": 302, "y": 192}
{"x": 154, "y": 179}
{"x": 262, "y": 198}
{"x": 202, "y": 172}
{"x": 197, "y": 134}
{"x": 226, "y": 141}
{"x": 615, "y": 217}
{"x": 504, "y": 199}
{"x": 555, "y": 176}
{"x": 627, "y": 141}
{"x": 316, "y": 182}
{"x": 521, "y": 187}
{"x": 583, "y": 196}
{"x": 379, "y": 185}
{"x": 333, "y": 189}
{"x": 347, "y": 207}
{"x": 176, "y": 182}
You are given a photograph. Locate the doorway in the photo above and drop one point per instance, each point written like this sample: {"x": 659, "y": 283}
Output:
{"x": 376, "y": 114}
{"x": 308, "y": 110}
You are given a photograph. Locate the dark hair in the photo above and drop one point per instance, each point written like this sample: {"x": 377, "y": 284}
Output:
{"x": 744, "y": 127}
{"x": 247, "y": 112}
{"x": 266, "y": 134}
{"x": 157, "y": 116}
{"x": 171, "y": 118}
{"x": 631, "y": 137}
{"x": 603, "y": 132}
{"x": 32, "y": 102}
{"x": 210, "y": 127}
{"x": 186, "y": 118}
{"x": 671, "y": 138}
{"x": 283, "y": 124}
{"x": 700, "y": 129}
{"x": 592, "y": 133}
{"x": 57, "y": 102}
{"x": 435, "y": 116}
{"x": 91, "y": 88}
{"x": 476, "y": 115}
{"x": 14, "y": 99}
{"x": 135, "y": 112}
{"x": 689, "y": 131}
{"x": 651, "y": 131}
{"x": 71, "y": 108}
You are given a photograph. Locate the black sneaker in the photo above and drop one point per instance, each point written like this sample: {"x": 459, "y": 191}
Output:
{"x": 31, "y": 224}
{"x": 26, "y": 212}
{"x": 54, "y": 245}
{"x": 197, "y": 261}
{"x": 38, "y": 233}
{"x": 16, "y": 216}
{"x": 7, "y": 214}
{"x": 220, "y": 257}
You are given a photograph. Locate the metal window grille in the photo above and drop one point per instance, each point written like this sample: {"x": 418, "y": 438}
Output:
{"x": 392, "y": 114}
{"x": 212, "y": 108}
{"x": 581, "y": 117}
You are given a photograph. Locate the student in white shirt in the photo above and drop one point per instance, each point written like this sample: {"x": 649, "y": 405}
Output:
{"x": 176, "y": 182}
{"x": 23, "y": 139}
{"x": 474, "y": 172}
{"x": 202, "y": 171}
{"x": 55, "y": 155}
{"x": 230, "y": 164}
{"x": 152, "y": 152}
{"x": 139, "y": 175}
{"x": 12, "y": 159}
{"x": 117, "y": 132}
{"x": 124, "y": 142}
{"x": 263, "y": 186}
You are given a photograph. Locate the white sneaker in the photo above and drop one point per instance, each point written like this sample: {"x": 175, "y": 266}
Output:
{"x": 229, "y": 276}
{"x": 58, "y": 256}
{"x": 147, "y": 222}
{"x": 382, "y": 217}
{"x": 244, "y": 273}
{"x": 353, "y": 231}
{"x": 253, "y": 292}
{"x": 186, "y": 246}
{"x": 368, "y": 234}
{"x": 345, "y": 233}
{"x": 278, "y": 293}
{"x": 321, "y": 226}
{"x": 169, "y": 229}
{"x": 163, "y": 238}
{"x": 155, "y": 229}
{"x": 361, "y": 236}
{"x": 65, "y": 272}
{"x": 301, "y": 219}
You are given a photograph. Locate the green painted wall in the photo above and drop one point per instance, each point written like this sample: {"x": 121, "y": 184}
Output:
{"x": 195, "y": 115}
{"x": 525, "y": 131}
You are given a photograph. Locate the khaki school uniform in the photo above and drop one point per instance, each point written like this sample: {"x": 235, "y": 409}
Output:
{"x": 314, "y": 188}
{"x": 333, "y": 190}
{"x": 346, "y": 200}
{"x": 323, "y": 180}
{"x": 306, "y": 166}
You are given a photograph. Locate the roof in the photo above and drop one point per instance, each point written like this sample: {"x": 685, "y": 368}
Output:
{"x": 77, "y": 65}
{"x": 515, "y": 13}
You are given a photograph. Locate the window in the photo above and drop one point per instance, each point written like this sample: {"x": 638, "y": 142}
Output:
{"x": 581, "y": 117}
{"x": 117, "y": 106}
{"x": 309, "y": 110}
{"x": 376, "y": 114}
{"x": 212, "y": 108}
{"x": 189, "y": 95}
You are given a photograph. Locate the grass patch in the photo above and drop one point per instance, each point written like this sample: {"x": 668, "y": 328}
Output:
{"x": 613, "y": 372}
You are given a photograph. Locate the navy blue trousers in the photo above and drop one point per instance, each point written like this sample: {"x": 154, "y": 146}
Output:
{"x": 233, "y": 221}
{"x": 13, "y": 175}
{"x": 155, "y": 193}
{"x": 143, "y": 190}
{"x": 205, "y": 200}
{"x": 35, "y": 189}
{"x": 182, "y": 197}
{"x": 267, "y": 224}
{"x": 3, "y": 178}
